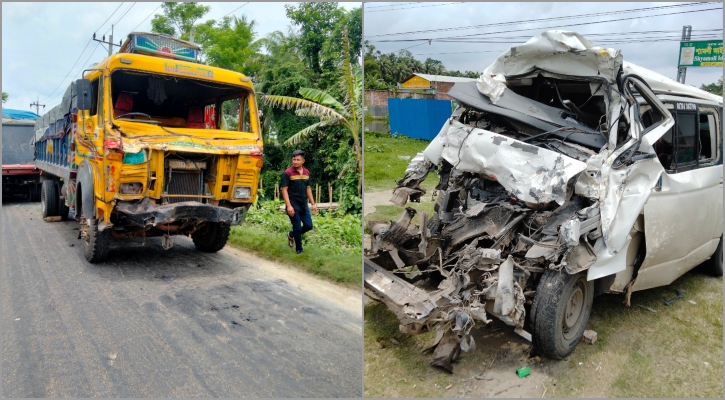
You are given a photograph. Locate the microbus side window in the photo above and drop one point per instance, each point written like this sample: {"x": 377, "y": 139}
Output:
{"x": 693, "y": 142}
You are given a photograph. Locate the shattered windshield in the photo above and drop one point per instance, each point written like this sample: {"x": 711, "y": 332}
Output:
{"x": 179, "y": 102}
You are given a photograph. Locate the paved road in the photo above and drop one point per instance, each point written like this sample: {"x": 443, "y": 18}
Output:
{"x": 155, "y": 323}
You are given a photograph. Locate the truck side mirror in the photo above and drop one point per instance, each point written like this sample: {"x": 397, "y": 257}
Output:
{"x": 83, "y": 92}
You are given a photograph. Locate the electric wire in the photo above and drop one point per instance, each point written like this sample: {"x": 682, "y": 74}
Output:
{"x": 120, "y": 18}
{"x": 109, "y": 17}
{"x": 472, "y": 36}
{"x": 389, "y": 5}
{"x": 76, "y": 74}
{"x": 407, "y": 8}
{"x": 536, "y": 20}
{"x": 147, "y": 17}
{"x": 236, "y": 9}
{"x": 79, "y": 56}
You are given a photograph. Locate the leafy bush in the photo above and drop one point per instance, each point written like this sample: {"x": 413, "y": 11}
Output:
{"x": 376, "y": 134}
{"x": 335, "y": 232}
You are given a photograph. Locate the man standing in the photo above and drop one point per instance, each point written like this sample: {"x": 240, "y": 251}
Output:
{"x": 296, "y": 191}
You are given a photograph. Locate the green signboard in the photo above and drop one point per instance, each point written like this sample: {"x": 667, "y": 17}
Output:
{"x": 706, "y": 53}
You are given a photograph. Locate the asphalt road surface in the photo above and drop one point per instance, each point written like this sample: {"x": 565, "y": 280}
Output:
{"x": 165, "y": 323}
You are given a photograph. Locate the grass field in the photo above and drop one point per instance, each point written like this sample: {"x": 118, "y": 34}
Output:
{"x": 332, "y": 249}
{"x": 386, "y": 159}
{"x": 676, "y": 352}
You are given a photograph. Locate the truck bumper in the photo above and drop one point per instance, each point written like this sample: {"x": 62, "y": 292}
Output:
{"x": 143, "y": 213}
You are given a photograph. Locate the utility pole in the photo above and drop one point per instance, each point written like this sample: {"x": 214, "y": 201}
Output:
{"x": 37, "y": 105}
{"x": 109, "y": 42}
{"x": 682, "y": 71}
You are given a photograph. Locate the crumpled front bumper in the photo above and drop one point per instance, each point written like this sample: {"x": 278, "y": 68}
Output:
{"x": 144, "y": 213}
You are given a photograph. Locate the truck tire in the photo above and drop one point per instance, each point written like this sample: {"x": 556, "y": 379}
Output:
{"x": 49, "y": 199}
{"x": 96, "y": 243}
{"x": 35, "y": 192}
{"x": 560, "y": 312}
{"x": 211, "y": 237}
{"x": 62, "y": 208}
{"x": 713, "y": 266}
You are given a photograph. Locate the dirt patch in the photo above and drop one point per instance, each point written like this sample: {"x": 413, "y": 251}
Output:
{"x": 373, "y": 199}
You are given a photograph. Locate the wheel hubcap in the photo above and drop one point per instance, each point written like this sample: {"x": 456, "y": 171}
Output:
{"x": 573, "y": 311}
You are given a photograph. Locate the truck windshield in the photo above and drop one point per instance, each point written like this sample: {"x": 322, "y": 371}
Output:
{"x": 179, "y": 102}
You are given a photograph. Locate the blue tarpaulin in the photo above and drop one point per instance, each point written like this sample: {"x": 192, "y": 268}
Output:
{"x": 19, "y": 114}
{"x": 418, "y": 118}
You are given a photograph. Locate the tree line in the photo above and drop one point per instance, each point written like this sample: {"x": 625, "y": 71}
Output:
{"x": 308, "y": 58}
{"x": 385, "y": 71}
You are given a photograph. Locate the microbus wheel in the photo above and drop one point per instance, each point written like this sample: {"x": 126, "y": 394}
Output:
{"x": 211, "y": 237}
{"x": 563, "y": 304}
{"x": 49, "y": 199}
{"x": 96, "y": 242}
{"x": 713, "y": 266}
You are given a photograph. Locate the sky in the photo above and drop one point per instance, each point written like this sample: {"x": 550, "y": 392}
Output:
{"x": 383, "y": 19}
{"x": 44, "y": 44}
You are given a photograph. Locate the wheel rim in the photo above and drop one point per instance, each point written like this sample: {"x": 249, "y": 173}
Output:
{"x": 574, "y": 310}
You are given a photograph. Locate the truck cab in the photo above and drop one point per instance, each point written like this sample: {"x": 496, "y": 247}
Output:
{"x": 152, "y": 143}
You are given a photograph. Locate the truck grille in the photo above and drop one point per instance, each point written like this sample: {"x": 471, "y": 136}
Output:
{"x": 184, "y": 182}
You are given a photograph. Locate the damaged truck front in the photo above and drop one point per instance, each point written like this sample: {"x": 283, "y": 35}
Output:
{"x": 554, "y": 172}
{"x": 151, "y": 143}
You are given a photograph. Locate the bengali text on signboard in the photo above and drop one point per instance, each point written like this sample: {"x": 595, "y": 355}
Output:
{"x": 706, "y": 53}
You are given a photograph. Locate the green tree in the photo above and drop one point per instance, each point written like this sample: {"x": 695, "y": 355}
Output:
{"x": 434, "y": 67}
{"x": 230, "y": 44}
{"x": 331, "y": 112}
{"x": 316, "y": 21}
{"x": 178, "y": 18}
{"x": 714, "y": 88}
{"x": 5, "y": 97}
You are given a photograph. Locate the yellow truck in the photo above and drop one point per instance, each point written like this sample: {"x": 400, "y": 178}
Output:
{"x": 151, "y": 143}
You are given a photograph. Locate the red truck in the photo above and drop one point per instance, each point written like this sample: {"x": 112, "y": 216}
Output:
{"x": 21, "y": 179}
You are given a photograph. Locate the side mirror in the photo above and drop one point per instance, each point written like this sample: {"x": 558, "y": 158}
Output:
{"x": 83, "y": 92}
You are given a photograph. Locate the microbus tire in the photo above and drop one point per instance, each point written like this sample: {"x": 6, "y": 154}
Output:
{"x": 211, "y": 237}
{"x": 563, "y": 305}
{"x": 96, "y": 243}
{"x": 713, "y": 266}
{"x": 49, "y": 199}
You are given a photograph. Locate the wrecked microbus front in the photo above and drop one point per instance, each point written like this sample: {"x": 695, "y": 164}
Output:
{"x": 544, "y": 171}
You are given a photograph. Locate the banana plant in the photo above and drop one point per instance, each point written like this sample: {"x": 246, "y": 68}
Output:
{"x": 330, "y": 111}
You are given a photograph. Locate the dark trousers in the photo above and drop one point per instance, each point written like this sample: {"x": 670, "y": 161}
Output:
{"x": 301, "y": 223}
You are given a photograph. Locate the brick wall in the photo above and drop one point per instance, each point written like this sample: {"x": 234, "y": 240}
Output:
{"x": 380, "y": 97}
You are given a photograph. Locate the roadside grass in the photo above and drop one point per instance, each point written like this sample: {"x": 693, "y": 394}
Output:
{"x": 675, "y": 352}
{"x": 333, "y": 249}
{"x": 383, "y": 167}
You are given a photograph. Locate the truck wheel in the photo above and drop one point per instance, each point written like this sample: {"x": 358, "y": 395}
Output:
{"x": 560, "y": 312}
{"x": 211, "y": 237}
{"x": 62, "y": 208}
{"x": 96, "y": 243}
{"x": 35, "y": 192}
{"x": 49, "y": 199}
{"x": 713, "y": 266}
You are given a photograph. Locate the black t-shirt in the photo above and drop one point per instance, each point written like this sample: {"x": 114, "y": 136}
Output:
{"x": 296, "y": 186}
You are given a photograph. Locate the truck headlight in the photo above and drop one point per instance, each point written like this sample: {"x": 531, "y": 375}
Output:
{"x": 242, "y": 192}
